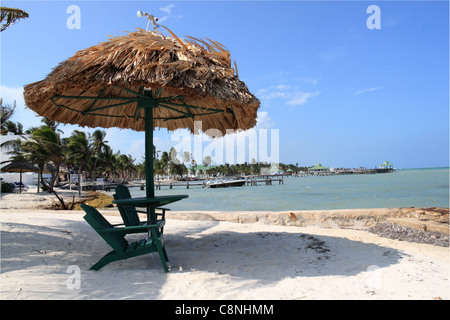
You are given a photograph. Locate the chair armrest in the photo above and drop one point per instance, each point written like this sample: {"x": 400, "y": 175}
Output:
{"x": 141, "y": 227}
{"x": 163, "y": 209}
{"x": 163, "y": 213}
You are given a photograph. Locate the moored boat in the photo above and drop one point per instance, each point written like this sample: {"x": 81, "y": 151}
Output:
{"x": 224, "y": 183}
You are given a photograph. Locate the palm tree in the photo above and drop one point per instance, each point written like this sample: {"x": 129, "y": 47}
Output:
{"x": 107, "y": 162}
{"x": 126, "y": 166}
{"x": 9, "y": 16}
{"x": 79, "y": 149}
{"x": 44, "y": 146}
{"x": 51, "y": 124}
{"x": 14, "y": 150}
{"x": 140, "y": 167}
{"x": 165, "y": 161}
{"x": 16, "y": 128}
{"x": 6, "y": 112}
{"x": 98, "y": 144}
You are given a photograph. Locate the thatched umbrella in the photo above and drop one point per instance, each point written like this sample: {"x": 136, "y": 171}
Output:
{"x": 144, "y": 80}
{"x": 20, "y": 166}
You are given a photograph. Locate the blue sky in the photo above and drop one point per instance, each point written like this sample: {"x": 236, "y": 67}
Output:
{"x": 338, "y": 93}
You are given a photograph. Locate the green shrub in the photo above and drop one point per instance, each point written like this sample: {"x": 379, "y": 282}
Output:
{"x": 6, "y": 187}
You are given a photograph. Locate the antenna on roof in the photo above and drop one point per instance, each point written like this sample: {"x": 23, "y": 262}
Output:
{"x": 150, "y": 17}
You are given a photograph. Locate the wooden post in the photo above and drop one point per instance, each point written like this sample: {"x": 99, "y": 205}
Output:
{"x": 149, "y": 184}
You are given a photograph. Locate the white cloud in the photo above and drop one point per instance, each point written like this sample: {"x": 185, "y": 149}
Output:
{"x": 263, "y": 121}
{"x": 168, "y": 11}
{"x": 294, "y": 93}
{"x": 367, "y": 90}
{"x": 273, "y": 92}
{"x": 136, "y": 149}
{"x": 291, "y": 94}
{"x": 300, "y": 98}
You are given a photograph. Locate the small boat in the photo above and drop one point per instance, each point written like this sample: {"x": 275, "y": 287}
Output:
{"x": 224, "y": 183}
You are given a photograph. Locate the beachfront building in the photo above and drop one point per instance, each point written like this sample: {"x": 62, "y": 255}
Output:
{"x": 202, "y": 169}
{"x": 275, "y": 169}
{"x": 386, "y": 165}
{"x": 318, "y": 168}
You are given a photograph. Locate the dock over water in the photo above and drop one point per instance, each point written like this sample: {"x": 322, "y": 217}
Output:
{"x": 253, "y": 180}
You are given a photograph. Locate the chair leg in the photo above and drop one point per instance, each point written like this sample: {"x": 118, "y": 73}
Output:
{"x": 110, "y": 257}
{"x": 163, "y": 257}
{"x": 161, "y": 250}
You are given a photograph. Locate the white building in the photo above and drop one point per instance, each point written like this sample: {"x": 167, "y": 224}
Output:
{"x": 28, "y": 178}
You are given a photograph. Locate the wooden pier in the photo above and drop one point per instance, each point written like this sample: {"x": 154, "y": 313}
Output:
{"x": 186, "y": 184}
{"x": 249, "y": 180}
{"x": 266, "y": 179}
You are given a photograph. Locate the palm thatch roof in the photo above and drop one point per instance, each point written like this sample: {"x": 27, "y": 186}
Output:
{"x": 187, "y": 79}
{"x": 19, "y": 166}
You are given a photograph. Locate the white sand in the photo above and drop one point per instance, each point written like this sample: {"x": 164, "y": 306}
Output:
{"x": 215, "y": 260}
{"x": 29, "y": 199}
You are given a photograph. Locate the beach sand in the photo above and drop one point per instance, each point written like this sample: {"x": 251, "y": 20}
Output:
{"x": 40, "y": 250}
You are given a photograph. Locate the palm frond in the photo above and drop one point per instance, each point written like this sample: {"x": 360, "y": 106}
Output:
{"x": 9, "y": 16}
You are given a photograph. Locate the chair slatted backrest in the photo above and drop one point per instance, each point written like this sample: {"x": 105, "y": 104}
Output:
{"x": 129, "y": 214}
{"x": 115, "y": 239}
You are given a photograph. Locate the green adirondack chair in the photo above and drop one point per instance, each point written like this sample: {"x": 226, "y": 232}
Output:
{"x": 115, "y": 237}
{"x": 130, "y": 215}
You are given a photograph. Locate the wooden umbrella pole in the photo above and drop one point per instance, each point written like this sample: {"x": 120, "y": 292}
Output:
{"x": 149, "y": 183}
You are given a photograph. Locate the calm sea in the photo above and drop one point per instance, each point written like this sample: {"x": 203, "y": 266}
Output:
{"x": 427, "y": 187}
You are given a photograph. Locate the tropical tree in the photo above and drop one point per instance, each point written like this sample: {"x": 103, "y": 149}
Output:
{"x": 193, "y": 165}
{"x": 6, "y": 112}
{"x": 164, "y": 165}
{"x": 14, "y": 150}
{"x": 9, "y": 16}
{"x": 79, "y": 149}
{"x": 125, "y": 164}
{"x": 140, "y": 167}
{"x": 14, "y": 127}
{"x": 108, "y": 162}
{"x": 51, "y": 124}
{"x": 158, "y": 167}
{"x": 98, "y": 144}
{"x": 43, "y": 147}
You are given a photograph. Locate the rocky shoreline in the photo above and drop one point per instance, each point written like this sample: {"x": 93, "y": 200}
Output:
{"x": 398, "y": 232}
{"x": 423, "y": 225}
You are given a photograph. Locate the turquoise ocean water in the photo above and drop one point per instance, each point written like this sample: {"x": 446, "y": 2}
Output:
{"x": 427, "y": 187}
